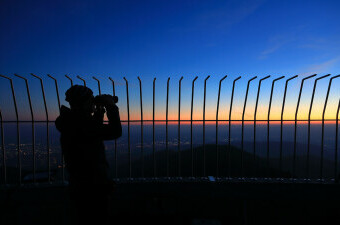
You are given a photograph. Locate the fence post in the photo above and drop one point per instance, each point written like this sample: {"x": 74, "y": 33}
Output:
{"x": 98, "y": 81}
{"x": 281, "y": 120}
{"x": 336, "y": 179}
{"x": 192, "y": 109}
{"x": 82, "y": 80}
{"x": 269, "y": 108}
{"x": 255, "y": 113}
{"x": 47, "y": 127}
{"x": 309, "y": 114}
{"x": 229, "y": 126}
{"x": 141, "y": 124}
{"x": 179, "y": 126}
{"x": 56, "y": 88}
{"x": 114, "y": 94}
{"x": 18, "y": 127}
{"x": 69, "y": 78}
{"x": 204, "y": 97}
{"x": 217, "y": 110}
{"x": 166, "y": 128}
{"x": 153, "y": 128}
{"x": 295, "y": 121}
{"x": 242, "y": 137}
{"x": 33, "y": 127}
{"x": 4, "y": 167}
{"x": 323, "y": 123}
{"x": 58, "y": 98}
{"x": 128, "y": 113}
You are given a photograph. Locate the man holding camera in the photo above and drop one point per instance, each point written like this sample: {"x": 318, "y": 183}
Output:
{"x": 82, "y": 135}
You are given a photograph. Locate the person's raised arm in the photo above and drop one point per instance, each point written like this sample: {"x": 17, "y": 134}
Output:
{"x": 113, "y": 129}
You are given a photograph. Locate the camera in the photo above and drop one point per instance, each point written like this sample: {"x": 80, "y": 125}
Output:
{"x": 101, "y": 99}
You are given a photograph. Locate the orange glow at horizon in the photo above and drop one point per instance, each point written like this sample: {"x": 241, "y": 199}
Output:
{"x": 262, "y": 113}
{"x": 226, "y": 122}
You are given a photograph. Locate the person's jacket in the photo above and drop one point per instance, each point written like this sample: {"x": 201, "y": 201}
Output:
{"x": 82, "y": 144}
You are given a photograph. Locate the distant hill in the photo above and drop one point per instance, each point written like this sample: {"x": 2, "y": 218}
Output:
{"x": 251, "y": 168}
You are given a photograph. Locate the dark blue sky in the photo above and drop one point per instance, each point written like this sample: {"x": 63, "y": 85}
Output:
{"x": 172, "y": 38}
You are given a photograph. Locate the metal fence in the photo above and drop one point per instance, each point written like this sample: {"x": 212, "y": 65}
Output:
{"x": 222, "y": 157}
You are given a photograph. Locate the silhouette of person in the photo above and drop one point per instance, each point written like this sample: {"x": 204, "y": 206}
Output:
{"x": 82, "y": 134}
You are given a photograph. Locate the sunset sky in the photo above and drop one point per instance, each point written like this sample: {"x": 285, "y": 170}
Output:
{"x": 172, "y": 39}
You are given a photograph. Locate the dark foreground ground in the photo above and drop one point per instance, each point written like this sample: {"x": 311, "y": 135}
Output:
{"x": 189, "y": 202}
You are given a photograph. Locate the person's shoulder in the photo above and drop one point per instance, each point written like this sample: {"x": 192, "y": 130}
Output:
{"x": 64, "y": 118}
{"x": 64, "y": 109}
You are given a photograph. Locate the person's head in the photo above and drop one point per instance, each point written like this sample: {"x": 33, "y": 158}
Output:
{"x": 81, "y": 99}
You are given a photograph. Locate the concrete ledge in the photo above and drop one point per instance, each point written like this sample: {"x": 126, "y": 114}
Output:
{"x": 183, "y": 203}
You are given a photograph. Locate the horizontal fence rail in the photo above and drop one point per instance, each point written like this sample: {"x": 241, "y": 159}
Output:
{"x": 213, "y": 160}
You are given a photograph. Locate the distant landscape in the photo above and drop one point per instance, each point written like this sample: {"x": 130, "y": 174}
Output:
{"x": 258, "y": 168}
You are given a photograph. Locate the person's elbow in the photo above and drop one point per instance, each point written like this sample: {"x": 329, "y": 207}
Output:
{"x": 116, "y": 133}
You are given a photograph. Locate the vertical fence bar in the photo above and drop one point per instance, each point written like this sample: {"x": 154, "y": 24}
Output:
{"x": 82, "y": 80}
{"x": 99, "y": 92}
{"x": 141, "y": 124}
{"x": 33, "y": 127}
{"x": 229, "y": 126}
{"x": 217, "y": 110}
{"x": 18, "y": 127}
{"x": 281, "y": 120}
{"x": 309, "y": 114}
{"x": 4, "y": 167}
{"x": 47, "y": 127}
{"x": 255, "y": 113}
{"x": 128, "y": 114}
{"x": 114, "y": 94}
{"x": 242, "y": 137}
{"x": 18, "y": 131}
{"x": 204, "y": 97}
{"x": 192, "y": 110}
{"x": 295, "y": 121}
{"x": 56, "y": 89}
{"x": 268, "y": 117}
{"x": 323, "y": 124}
{"x": 336, "y": 179}
{"x": 153, "y": 128}
{"x": 98, "y": 81}
{"x": 179, "y": 126}
{"x": 58, "y": 98}
{"x": 166, "y": 128}
{"x": 69, "y": 78}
